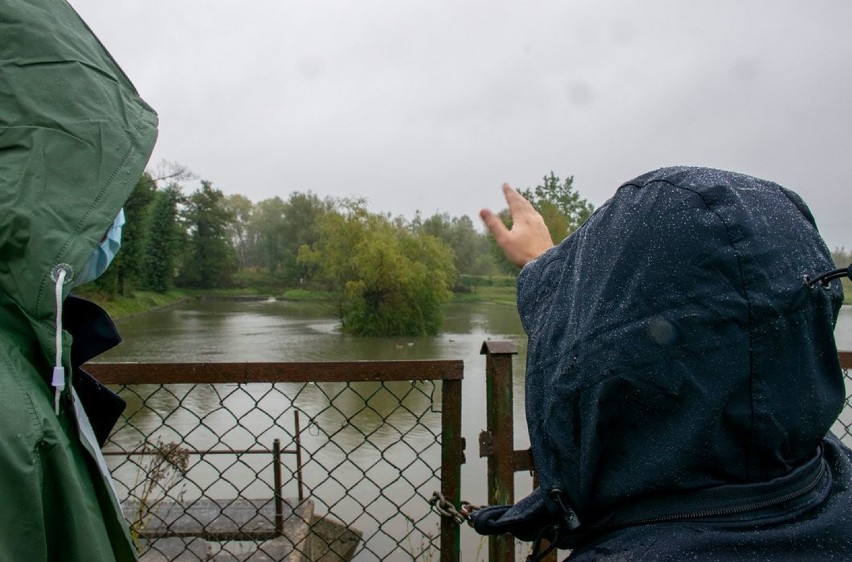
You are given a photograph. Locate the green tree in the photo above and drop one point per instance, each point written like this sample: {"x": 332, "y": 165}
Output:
{"x": 302, "y": 215}
{"x": 339, "y": 232}
{"x": 210, "y": 260}
{"x": 282, "y": 227}
{"x": 123, "y": 273}
{"x": 267, "y": 231}
{"x": 136, "y": 210}
{"x": 390, "y": 280}
{"x": 560, "y": 205}
{"x": 472, "y": 252}
{"x": 240, "y": 208}
{"x": 161, "y": 240}
{"x": 841, "y": 257}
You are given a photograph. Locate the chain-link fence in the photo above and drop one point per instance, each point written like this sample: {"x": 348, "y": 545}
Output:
{"x": 214, "y": 462}
{"x": 843, "y": 426}
{"x": 226, "y": 462}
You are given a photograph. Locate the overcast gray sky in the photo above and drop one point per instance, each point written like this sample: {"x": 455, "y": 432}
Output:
{"x": 431, "y": 105}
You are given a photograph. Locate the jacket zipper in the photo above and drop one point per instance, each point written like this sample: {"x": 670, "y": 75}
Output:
{"x": 730, "y": 510}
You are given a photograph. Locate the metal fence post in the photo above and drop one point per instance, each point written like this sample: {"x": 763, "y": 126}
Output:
{"x": 298, "y": 439}
{"x": 451, "y": 461}
{"x": 276, "y": 479}
{"x": 498, "y": 440}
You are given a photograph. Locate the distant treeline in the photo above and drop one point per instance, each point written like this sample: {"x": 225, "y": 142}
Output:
{"x": 842, "y": 258}
{"x": 389, "y": 275}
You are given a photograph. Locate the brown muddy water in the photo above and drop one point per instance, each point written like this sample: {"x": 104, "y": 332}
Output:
{"x": 269, "y": 331}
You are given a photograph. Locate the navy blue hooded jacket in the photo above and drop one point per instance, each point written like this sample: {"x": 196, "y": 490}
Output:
{"x": 682, "y": 379}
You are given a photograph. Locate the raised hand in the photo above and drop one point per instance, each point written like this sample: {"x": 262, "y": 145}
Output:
{"x": 528, "y": 238}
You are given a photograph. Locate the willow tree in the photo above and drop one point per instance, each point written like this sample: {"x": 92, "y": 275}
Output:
{"x": 389, "y": 280}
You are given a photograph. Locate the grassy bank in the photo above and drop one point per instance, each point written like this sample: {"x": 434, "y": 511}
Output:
{"x": 497, "y": 295}
{"x": 507, "y": 295}
{"x": 502, "y": 292}
{"x": 136, "y": 303}
{"x": 261, "y": 292}
{"x": 499, "y": 289}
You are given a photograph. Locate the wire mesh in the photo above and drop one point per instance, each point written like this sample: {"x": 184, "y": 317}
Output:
{"x": 195, "y": 468}
{"x": 194, "y": 465}
{"x": 843, "y": 426}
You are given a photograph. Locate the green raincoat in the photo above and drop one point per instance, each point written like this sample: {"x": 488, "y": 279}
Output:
{"x": 74, "y": 140}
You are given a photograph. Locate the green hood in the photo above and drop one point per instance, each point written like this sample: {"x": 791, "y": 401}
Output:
{"x": 74, "y": 139}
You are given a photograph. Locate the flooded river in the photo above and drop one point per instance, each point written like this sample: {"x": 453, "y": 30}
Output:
{"x": 270, "y": 331}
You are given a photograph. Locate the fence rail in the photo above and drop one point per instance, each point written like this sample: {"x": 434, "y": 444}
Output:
{"x": 379, "y": 438}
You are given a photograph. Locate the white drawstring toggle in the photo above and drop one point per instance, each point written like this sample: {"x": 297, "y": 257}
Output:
{"x": 57, "y": 381}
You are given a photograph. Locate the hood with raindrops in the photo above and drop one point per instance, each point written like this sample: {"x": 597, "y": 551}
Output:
{"x": 674, "y": 344}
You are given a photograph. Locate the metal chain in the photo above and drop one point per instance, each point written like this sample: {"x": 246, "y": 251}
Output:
{"x": 446, "y": 509}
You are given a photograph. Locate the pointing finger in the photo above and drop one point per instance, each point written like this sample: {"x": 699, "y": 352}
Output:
{"x": 495, "y": 225}
{"x": 517, "y": 202}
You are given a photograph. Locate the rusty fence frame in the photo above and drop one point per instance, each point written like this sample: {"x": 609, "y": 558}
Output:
{"x": 496, "y": 442}
{"x": 450, "y": 372}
